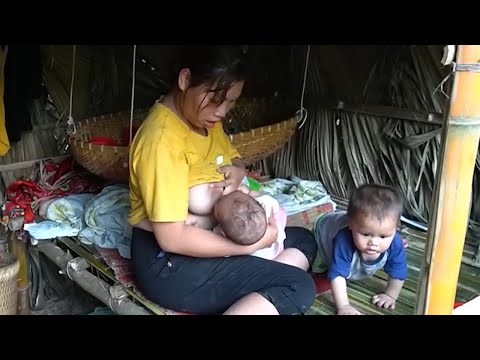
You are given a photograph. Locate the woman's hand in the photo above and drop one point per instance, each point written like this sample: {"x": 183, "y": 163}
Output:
{"x": 269, "y": 237}
{"x": 233, "y": 178}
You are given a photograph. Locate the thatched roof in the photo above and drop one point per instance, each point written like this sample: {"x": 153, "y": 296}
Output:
{"x": 337, "y": 146}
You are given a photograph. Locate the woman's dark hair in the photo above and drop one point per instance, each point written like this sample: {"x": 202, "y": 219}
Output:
{"x": 216, "y": 66}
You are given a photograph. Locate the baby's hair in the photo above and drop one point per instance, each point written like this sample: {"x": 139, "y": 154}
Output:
{"x": 246, "y": 221}
{"x": 380, "y": 201}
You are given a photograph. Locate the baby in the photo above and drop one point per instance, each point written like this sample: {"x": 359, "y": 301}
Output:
{"x": 243, "y": 219}
{"x": 241, "y": 216}
{"x": 355, "y": 244}
{"x": 202, "y": 200}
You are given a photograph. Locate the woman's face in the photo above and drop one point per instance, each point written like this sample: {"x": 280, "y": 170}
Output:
{"x": 196, "y": 106}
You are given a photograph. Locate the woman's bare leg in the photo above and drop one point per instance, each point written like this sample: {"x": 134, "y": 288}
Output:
{"x": 252, "y": 304}
{"x": 293, "y": 257}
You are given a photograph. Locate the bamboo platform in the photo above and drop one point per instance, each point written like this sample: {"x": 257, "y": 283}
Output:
{"x": 360, "y": 292}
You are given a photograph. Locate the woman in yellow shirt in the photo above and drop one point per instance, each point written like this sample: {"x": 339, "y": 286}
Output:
{"x": 188, "y": 268}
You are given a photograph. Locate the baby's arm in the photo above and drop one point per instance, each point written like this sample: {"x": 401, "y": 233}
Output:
{"x": 339, "y": 271}
{"x": 340, "y": 296}
{"x": 389, "y": 297}
{"x": 397, "y": 270}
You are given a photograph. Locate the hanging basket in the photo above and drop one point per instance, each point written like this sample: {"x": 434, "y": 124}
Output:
{"x": 9, "y": 267}
{"x": 111, "y": 161}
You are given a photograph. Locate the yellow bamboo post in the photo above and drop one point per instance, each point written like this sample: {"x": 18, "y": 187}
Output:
{"x": 453, "y": 187}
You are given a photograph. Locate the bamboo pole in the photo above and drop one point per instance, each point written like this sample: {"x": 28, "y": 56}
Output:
{"x": 452, "y": 191}
{"x": 19, "y": 248}
{"x": 76, "y": 269}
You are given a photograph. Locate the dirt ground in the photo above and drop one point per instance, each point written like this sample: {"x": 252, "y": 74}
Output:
{"x": 57, "y": 294}
{"x": 77, "y": 302}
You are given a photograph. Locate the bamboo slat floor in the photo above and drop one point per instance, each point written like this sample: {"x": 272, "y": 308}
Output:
{"x": 360, "y": 292}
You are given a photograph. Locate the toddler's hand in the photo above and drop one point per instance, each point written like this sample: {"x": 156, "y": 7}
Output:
{"x": 348, "y": 310}
{"x": 384, "y": 301}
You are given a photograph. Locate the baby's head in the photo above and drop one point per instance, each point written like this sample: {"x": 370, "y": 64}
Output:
{"x": 373, "y": 213}
{"x": 241, "y": 218}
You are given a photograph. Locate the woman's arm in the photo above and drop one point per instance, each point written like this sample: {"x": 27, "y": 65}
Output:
{"x": 176, "y": 237}
{"x": 207, "y": 222}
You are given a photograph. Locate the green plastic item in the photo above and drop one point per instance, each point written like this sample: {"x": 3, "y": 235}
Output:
{"x": 253, "y": 184}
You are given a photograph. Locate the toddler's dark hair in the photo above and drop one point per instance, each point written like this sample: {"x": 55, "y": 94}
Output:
{"x": 380, "y": 201}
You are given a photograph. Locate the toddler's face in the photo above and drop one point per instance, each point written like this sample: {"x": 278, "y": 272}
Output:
{"x": 371, "y": 235}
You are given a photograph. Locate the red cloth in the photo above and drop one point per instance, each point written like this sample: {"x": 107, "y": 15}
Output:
{"x": 22, "y": 194}
{"x": 321, "y": 282}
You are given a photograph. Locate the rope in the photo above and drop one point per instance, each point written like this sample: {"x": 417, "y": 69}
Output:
{"x": 71, "y": 123}
{"x": 303, "y": 113}
{"x": 66, "y": 269}
{"x": 3, "y": 61}
{"x": 456, "y": 68}
{"x": 133, "y": 92}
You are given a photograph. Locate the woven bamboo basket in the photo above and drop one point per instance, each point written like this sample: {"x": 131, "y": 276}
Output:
{"x": 9, "y": 267}
{"x": 277, "y": 124}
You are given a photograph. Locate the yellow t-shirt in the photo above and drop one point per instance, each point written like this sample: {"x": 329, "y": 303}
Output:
{"x": 166, "y": 159}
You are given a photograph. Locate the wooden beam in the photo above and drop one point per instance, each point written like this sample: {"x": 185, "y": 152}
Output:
{"x": 432, "y": 118}
{"x": 29, "y": 163}
{"x": 453, "y": 189}
{"x": 393, "y": 112}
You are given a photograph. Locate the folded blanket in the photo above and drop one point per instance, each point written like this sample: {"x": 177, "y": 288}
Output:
{"x": 296, "y": 195}
{"x": 106, "y": 220}
{"x": 69, "y": 210}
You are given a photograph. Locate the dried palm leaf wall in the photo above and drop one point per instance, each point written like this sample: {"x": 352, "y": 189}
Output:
{"x": 341, "y": 148}
{"x": 33, "y": 145}
{"x": 39, "y": 142}
{"x": 345, "y": 148}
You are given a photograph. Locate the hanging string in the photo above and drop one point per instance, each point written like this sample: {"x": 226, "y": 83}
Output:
{"x": 133, "y": 93}
{"x": 456, "y": 68}
{"x": 3, "y": 61}
{"x": 302, "y": 113}
{"x": 71, "y": 124}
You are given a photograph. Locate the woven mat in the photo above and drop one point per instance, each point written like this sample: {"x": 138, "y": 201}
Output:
{"x": 120, "y": 266}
